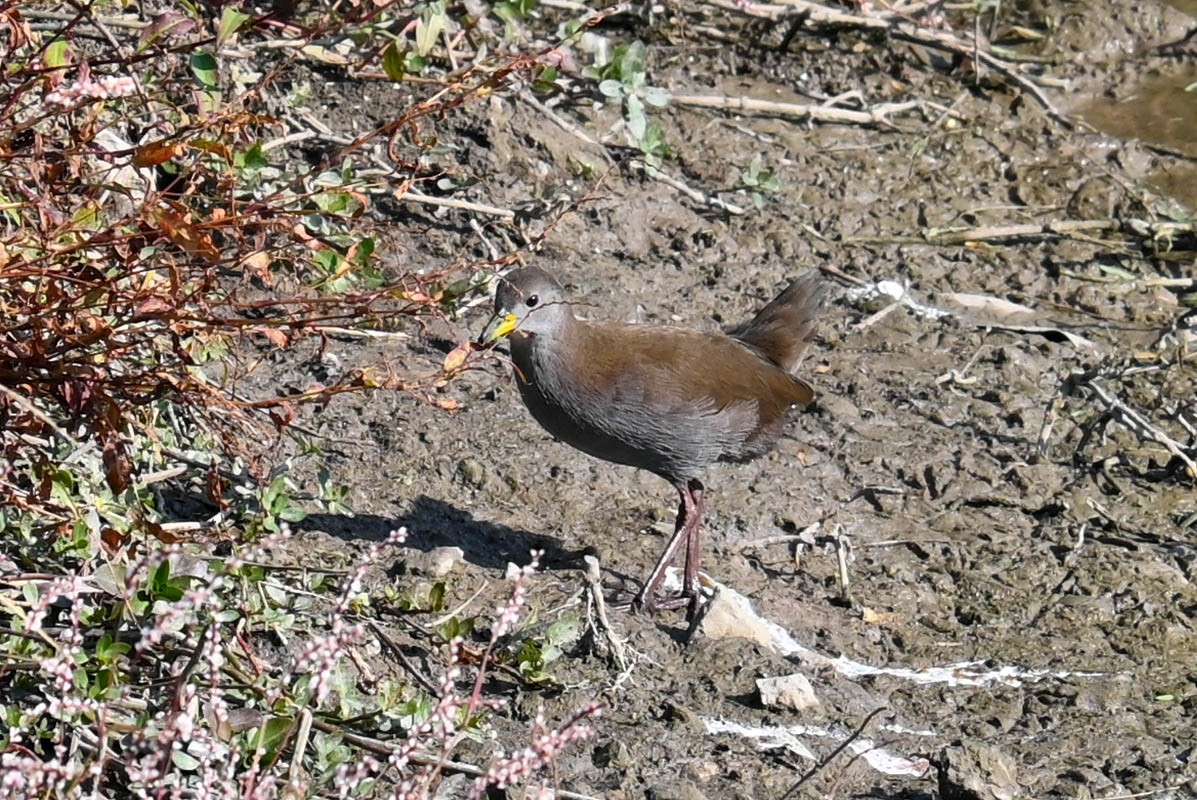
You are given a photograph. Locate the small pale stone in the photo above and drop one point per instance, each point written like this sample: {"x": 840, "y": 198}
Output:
{"x": 703, "y": 771}
{"x": 971, "y": 771}
{"x": 473, "y": 473}
{"x": 787, "y": 691}
{"x": 437, "y": 562}
{"x": 730, "y": 616}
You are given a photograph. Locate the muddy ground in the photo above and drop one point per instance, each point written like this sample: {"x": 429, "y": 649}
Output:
{"x": 1066, "y": 577}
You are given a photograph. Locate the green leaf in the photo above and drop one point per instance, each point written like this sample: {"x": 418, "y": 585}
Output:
{"x": 1116, "y": 271}
{"x": 429, "y": 28}
{"x": 160, "y": 577}
{"x": 394, "y": 62}
{"x": 365, "y": 250}
{"x": 637, "y": 122}
{"x": 327, "y": 260}
{"x": 109, "y": 651}
{"x": 339, "y": 203}
{"x": 204, "y": 67}
{"x": 514, "y": 10}
{"x": 231, "y": 21}
{"x": 611, "y": 88}
{"x": 57, "y": 54}
{"x": 654, "y": 140}
{"x": 293, "y": 514}
{"x": 253, "y": 158}
{"x": 269, "y": 736}
{"x": 634, "y": 59}
{"x": 184, "y": 761}
{"x": 545, "y": 80}
{"x": 436, "y": 596}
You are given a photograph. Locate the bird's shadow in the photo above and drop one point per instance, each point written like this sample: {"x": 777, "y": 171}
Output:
{"x": 433, "y": 523}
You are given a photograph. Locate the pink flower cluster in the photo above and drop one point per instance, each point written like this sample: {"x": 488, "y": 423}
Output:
{"x": 545, "y": 746}
{"x": 108, "y": 87}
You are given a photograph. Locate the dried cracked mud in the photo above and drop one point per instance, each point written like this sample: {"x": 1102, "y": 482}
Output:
{"x": 1056, "y": 563}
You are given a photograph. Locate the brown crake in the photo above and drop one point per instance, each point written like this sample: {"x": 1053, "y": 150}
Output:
{"x": 666, "y": 400}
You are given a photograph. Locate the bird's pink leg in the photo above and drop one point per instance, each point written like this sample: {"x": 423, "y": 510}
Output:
{"x": 689, "y": 520}
{"x": 691, "y": 589}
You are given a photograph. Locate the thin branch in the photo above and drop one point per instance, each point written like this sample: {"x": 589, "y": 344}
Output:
{"x": 877, "y": 115}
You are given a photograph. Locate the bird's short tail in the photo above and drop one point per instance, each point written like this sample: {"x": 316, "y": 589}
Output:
{"x": 783, "y": 328}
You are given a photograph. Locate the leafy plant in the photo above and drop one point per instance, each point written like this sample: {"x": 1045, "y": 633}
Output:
{"x": 535, "y": 653}
{"x": 625, "y": 79}
{"x": 153, "y": 639}
{"x": 760, "y": 181}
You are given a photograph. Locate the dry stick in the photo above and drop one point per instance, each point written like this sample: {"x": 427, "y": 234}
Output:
{"x": 808, "y": 12}
{"x": 1177, "y": 283}
{"x": 648, "y": 169}
{"x": 565, "y": 125}
{"x": 998, "y": 234}
{"x": 693, "y": 194}
{"x": 1135, "y": 421}
{"x": 420, "y": 677}
{"x": 595, "y": 585}
{"x": 842, "y": 546}
{"x": 898, "y": 26}
{"x": 295, "y": 774}
{"x": 360, "y": 333}
{"x": 842, "y": 746}
{"x": 448, "y": 202}
{"x": 877, "y": 115}
{"x": 28, "y": 405}
{"x": 424, "y": 759}
{"x": 954, "y": 44}
{"x": 1050, "y": 415}
{"x": 64, "y": 16}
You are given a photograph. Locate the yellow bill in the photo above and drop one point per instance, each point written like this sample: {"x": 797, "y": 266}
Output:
{"x": 499, "y": 327}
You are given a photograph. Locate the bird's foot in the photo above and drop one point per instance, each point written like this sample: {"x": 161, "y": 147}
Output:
{"x": 651, "y": 604}
{"x": 645, "y": 604}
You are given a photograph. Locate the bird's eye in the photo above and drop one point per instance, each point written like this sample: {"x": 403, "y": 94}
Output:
{"x": 532, "y": 301}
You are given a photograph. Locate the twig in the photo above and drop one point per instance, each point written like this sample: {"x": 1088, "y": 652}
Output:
{"x": 1138, "y": 424}
{"x": 1172, "y": 283}
{"x": 130, "y": 21}
{"x": 420, "y": 677}
{"x": 28, "y": 405}
{"x": 1168, "y": 790}
{"x": 803, "y": 536}
{"x": 449, "y": 202}
{"x": 856, "y": 734}
{"x": 565, "y": 125}
{"x": 302, "y": 737}
{"x": 1116, "y": 410}
{"x": 1031, "y": 232}
{"x": 812, "y": 15}
{"x": 877, "y": 115}
{"x": 842, "y": 549}
{"x": 361, "y": 333}
{"x": 648, "y": 169}
{"x": 425, "y": 759}
{"x": 815, "y": 17}
{"x": 595, "y": 586}
{"x": 693, "y": 194}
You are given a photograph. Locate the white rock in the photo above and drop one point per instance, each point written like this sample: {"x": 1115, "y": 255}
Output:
{"x": 787, "y": 691}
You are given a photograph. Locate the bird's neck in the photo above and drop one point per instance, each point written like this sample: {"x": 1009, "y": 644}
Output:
{"x": 544, "y": 359}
